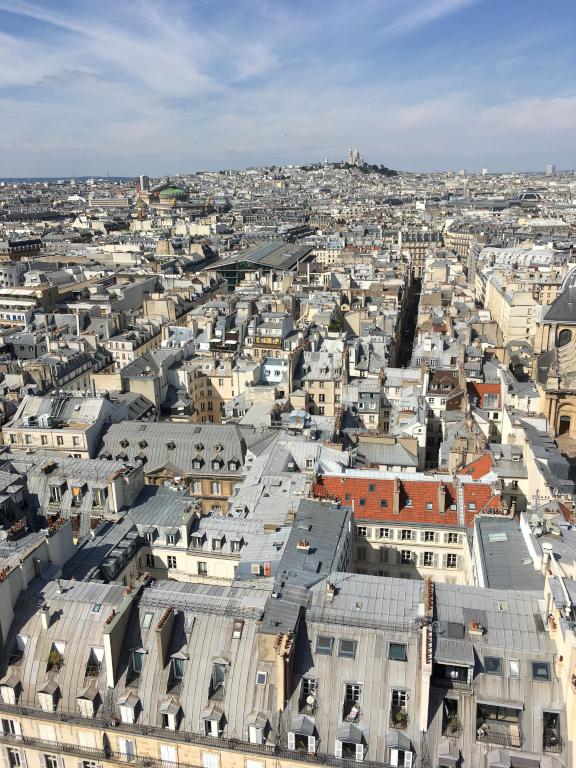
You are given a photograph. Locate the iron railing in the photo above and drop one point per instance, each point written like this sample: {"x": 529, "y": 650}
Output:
{"x": 111, "y": 723}
{"x": 489, "y": 736}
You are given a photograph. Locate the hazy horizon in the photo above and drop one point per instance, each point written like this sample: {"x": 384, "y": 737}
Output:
{"x": 160, "y": 86}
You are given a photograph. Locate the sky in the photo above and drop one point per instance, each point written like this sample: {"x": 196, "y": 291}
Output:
{"x": 89, "y": 87}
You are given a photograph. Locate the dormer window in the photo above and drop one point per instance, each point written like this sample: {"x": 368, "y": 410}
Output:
{"x": 217, "y": 543}
{"x": 94, "y": 663}
{"x": 213, "y": 721}
{"x": 237, "y": 629}
{"x": 88, "y": 701}
{"x": 129, "y": 708}
{"x": 49, "y": 695}
{"x": 151, "y": 534}
{"x": 217, "y": 680}
{"x": 99, "y": 496}
{"x": 56, "y": 657}
{"x": 171, "y": 713}
{"x": 236, "y": 545}
{"x": 172, "y": 537}
{"x": 233, "y": 465}
{"x": 77, "y": 494}
{"x": 217, "y": 464}
{"x": 197, "y": 463}
{"x": 197, "y": 540}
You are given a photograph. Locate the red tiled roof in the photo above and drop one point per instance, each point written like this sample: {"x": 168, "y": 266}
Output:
{"x": 478, "y": 468}
{"x": 373, "y": 499}
{"x": 479, "y": 390}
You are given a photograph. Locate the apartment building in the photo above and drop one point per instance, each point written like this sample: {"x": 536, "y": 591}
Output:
{"x": 411, "y": 525}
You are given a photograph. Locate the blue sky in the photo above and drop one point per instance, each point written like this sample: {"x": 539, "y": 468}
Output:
{"x": 167, "y": 86}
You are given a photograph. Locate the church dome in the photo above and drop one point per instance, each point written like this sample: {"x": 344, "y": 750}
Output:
{"x": 173, "y": 193}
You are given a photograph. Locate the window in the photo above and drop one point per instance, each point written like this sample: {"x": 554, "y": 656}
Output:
{"x": 408, "y": 502}
{"x": 11, "y": 727}
{"x": 324, "y": 645}
{"x": 216, "y": 489}
{"x": 384, "y": 533}
{"x": 147, "y": 621}
{"x": 50, "y": 761}
{"x": 12, "y": 439}
{"x": 322, "y": 398}
{"x": 347, "y": 497}
{"x": 493, "y": 665}
{"x": 540, "y": 670}
{"x": 397, "y": 652}
{"x": 59, "y": 440}
{"x": 362, "y": 502}
{"x": 55, "y": 493}
{"x": 361, "y": 530}
{"x": 43, "y": 440}
{"x": 405, "y": 557}
{"x": 429, "y": 505}
{"x": 514, "y": 668}
{"x": 383, "y": 503}
{"x": 261, "y": 678}
{"x": 237, "y": 629}
{"x": 428, "y": 559}
{"x": 75, "y": 441}
{"x": 371, "y": 487}
{"x": 309, "y": 687}
{"x": 202, "y": 568}
{"x": 321, "y": 410}
{"x": 451, "y": 561}
{"x": 406, "y": 535}
{"x": 137, "y": 661}
{"x": 353, "y": 691}
{"x": 399, "y": 698}
{"x": 28, "y": 439}
{"x": 347, "y": 649}
{"x": 171, "y": 561}
{"x": 98, "y": 497}
{"x": 471, "y": 505}
{"x": 429, "y": 536}
{"x": 177, "y": 668}
{"x": 14, "y": 759}
{"x": 452, "y": 538}
{"x": 361, "y": 554}
{"x": 150, "y": 562}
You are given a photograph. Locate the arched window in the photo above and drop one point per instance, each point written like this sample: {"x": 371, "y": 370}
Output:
{"x": 564, "y": 337}
{"x": 564, "y": 425}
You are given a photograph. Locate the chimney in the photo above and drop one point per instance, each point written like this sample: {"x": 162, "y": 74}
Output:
{"x": 441, "y": 498}
{"x": 45, "y": 616}
{"x": 547, "y": 549}
{"x": 396, "y": 501}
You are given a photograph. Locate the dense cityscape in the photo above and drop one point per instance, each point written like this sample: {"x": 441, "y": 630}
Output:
{"x": 287, "y": 468}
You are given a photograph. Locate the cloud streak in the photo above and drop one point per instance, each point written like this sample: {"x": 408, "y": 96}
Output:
{"x": 173, "y": 85}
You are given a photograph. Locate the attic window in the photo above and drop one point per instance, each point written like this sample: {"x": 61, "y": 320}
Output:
{"x": 143, "y": 444}
{"x": 261, "y": 678}
{"x": 147, "y": 621}
{"x": 217, "y": 464}
{"x": 124, "y": 443}
{"x": 237, "y": 629}
{"x": 170, "y": 445}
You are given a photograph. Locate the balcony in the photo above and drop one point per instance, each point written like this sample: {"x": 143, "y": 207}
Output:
{"x": 161, "y": 735}
{"x": 398, "y": 718}
{"x": 351, "y": 711}
{"x": 499, "y": 734}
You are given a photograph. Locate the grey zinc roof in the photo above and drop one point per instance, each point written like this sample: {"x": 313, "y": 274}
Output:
{"x": 508, "y": 616}
{"x": 153, "y": 439}
{"x": 507, "y": 564}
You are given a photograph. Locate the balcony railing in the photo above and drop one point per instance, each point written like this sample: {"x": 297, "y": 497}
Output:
{"x": 162, "y": 735}
{"x": 552, "y": 742}
{"x": 88, "y": 753}
{"x": 398, "y": 718}
{"x": 488, "y": 735}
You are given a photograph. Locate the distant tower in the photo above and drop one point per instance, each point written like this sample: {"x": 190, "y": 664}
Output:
{"x": 144, "y": 183}
{"x": 550, "y": 170}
